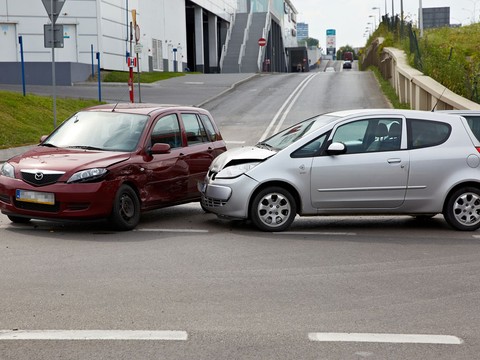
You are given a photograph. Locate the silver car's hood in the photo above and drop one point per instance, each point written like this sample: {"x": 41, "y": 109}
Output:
{"x": 240, "y": 155}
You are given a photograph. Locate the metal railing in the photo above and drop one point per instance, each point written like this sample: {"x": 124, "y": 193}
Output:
{"x": 245, "y": 39}
{"x": 265, "y": 32}
{"x": 227, "y": 40}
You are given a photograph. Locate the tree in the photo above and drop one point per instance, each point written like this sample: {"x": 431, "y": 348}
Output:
{"x": 311, "y": 42}
{"x": 344, "y": 49}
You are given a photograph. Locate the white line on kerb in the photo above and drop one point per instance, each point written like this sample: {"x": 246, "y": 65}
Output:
{"x": 173, "y": 230}
{"x": 385, "y": 338}
{"x": 315, "y": 233}
{"x": 92, "y": 335}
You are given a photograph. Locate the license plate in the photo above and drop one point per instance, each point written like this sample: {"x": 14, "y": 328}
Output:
{"x": 36, "y": 197}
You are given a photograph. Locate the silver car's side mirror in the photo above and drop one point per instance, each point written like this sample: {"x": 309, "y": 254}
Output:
{"x": 336, "y": 148}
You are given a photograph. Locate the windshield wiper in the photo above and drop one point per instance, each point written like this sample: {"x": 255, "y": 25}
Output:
{"x": 264, "y": 145}
{"x": 48, "y": 145}
{"x": 84, "y": 147}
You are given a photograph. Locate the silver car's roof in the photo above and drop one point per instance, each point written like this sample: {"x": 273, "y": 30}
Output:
{"x": 402, "y": 112}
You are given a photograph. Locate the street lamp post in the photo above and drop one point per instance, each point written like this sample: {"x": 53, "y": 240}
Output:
{"x": 374, "y": 21}
{"x": 420, "y": 17}
{"x": 379, "y": 14}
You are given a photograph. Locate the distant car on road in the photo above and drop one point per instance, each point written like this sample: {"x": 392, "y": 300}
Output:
{"x": 348, "y": 56}
{"x": 112, "y": 161}
{"x": 347, "y": 64}
{"x": 352, "y": 162}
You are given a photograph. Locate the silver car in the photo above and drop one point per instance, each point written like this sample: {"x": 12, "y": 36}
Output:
{"x": 374, "y": 162}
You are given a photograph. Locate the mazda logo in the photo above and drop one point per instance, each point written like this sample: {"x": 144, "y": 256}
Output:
{"x": 38, "y": 176}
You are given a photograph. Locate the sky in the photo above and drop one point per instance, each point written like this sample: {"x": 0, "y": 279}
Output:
{"x": 350, "y": 18}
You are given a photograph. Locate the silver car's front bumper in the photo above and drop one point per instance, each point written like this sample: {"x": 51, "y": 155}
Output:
{"x": 227, "y": 197}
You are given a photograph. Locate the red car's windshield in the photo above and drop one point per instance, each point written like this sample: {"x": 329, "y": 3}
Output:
{"x": 111, "y": 131}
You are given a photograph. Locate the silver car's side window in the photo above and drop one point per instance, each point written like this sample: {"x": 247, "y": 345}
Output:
{"x": 427, "y": 133}
{"x": 474, "y": 123}
{"x": 311, "y": 149}
{"x": 369, "y": 135}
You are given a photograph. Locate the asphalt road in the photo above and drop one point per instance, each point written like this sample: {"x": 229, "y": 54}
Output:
{"x": 187, "y": 285}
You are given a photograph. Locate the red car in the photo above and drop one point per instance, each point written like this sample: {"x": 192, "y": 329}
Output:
{"x": 112, "y": 161}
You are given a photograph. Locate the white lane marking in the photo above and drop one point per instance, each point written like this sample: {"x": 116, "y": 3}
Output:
{"x": 299, "y": 89}
{"x": 476, "y": 236}
{"x": 294, "y": 100}
{"x": 172, "y": 230}
{"x": 385, "y": 338}
{"x": 314, "y": 233}
{"x": 92, "y": 335}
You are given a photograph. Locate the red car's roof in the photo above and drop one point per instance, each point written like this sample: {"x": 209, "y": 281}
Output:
{"x": 140, "y": 108}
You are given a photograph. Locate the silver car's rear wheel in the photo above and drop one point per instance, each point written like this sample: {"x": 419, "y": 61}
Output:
{"x": 462, "y": 211}
{"x": 273, "y": 209}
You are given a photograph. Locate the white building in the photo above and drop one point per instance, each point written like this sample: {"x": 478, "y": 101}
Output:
{"x": 172, "y": 35}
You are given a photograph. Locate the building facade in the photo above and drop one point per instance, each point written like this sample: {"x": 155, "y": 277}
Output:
{"x": 302, "y": 31}
{"x": 171, "y": 35}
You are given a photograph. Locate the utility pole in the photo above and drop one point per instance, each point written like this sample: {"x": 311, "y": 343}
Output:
{"x": 420, "y": 17}
{"x": 53, "y": 37}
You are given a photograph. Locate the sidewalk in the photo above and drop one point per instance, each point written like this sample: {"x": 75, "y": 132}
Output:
{"x": 191, "y": 89}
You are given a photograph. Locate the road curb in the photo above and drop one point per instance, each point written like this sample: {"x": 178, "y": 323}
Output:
{"x": 233, "y": 86}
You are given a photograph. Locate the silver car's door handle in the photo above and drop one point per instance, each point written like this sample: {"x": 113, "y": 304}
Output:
{"x": 394, "y": 161}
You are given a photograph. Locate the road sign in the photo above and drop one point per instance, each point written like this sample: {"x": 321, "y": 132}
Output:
{"x": 53, "y": 8}
{"x": 56, "y": 37}
{"x": 138, "y": 48}
{"x": 262, "y": 42}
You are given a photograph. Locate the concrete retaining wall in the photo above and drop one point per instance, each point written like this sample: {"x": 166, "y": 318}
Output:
{"x": 413, "y": 87}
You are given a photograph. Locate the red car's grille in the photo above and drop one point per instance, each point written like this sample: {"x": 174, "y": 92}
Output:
{"x": 5, "y": 198}
{"x": 41, "y": 177}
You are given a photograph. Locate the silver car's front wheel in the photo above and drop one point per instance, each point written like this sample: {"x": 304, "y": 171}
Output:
{"x": 462, "y": 211}
{"x": 273, "y": 209}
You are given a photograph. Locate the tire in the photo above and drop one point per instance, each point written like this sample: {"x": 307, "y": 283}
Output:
{"x": 462, "y": 210}
{"x": 18, "y": 219}
{"x": 273, "y": 209}
{"x": 126, "y": 209}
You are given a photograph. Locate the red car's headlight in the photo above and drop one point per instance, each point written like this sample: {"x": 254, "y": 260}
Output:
{"x": 8, "y": 170}
{"x": 87, "y": 175}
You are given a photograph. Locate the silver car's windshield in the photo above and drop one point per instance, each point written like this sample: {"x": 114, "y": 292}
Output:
{"x": 111, "y": 131}
{"x": 288, "y": 136}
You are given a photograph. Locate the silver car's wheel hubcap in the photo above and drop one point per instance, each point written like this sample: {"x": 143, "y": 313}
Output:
{"x": 127, "y": 207}
{"x": 466, "y": 209}
{"x": 274, "y": 209}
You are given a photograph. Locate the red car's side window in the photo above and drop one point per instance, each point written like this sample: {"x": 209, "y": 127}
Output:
{"x": 167, "y": 131}
{"x": 194, "y": 129}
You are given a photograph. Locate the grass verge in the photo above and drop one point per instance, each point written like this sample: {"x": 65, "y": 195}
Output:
{"x": 145, "y": 77}
{"x": 24, "y": 119}
{"x": 388, "y": 90}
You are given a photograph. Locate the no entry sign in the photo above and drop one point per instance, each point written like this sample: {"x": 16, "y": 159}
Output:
{"x": 262, "y": 42}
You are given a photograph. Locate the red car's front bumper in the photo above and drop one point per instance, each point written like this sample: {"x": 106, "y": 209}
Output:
{"x": 71, "y": 201}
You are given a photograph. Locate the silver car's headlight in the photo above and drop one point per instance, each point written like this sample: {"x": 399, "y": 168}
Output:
{"x": 233, "y": 171}
{"x": 8, "y": 170}
{"x": 87, "y": 175}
